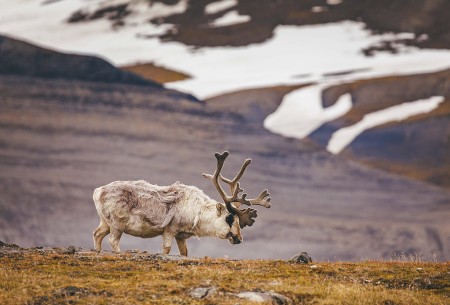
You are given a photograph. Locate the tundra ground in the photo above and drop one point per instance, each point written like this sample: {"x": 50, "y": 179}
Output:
{"x": 61, "y": 276}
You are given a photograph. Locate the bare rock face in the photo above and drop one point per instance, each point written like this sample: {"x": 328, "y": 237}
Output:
{"x": 302, "y": 258}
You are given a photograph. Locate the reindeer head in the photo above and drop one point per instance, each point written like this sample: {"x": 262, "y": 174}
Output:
{"x": 236, "y": 219}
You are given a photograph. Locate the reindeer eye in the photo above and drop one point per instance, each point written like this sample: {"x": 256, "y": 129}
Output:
{"x": 229, "y": 219}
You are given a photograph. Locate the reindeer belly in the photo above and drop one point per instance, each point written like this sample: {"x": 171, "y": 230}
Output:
{"x": 142, "y": 227}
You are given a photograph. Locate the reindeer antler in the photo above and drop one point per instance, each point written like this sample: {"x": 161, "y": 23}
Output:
{"x": 245, "y": 216}
{"x": 215, "y": 180}
{"x": 263, "y": 199}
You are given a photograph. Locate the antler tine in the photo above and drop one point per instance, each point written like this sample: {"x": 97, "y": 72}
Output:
{"x": 263, "y": 199}
{"x": 214, "y": 178}
{"x": 247, "y": 216}
{"x": 233, "y": 183}
{"x": 236, "y": 189}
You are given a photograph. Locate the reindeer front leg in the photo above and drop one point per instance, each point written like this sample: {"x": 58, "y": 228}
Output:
{"x": 181, "y": 242}
{"x": 167, "y": 241}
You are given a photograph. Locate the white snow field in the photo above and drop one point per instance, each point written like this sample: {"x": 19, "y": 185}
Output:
{"x": 294, "y": 55}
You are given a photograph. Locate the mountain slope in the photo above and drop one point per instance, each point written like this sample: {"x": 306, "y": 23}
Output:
{"x": 419, "y": 17}
{"x": 21, "y": 58}
{"x": 192, "y": 25}
{"x": 417, "y": 147}
{"x": 60, "y": 138}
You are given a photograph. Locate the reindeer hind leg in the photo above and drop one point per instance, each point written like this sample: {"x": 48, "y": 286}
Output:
{"x": 100, "y": 233}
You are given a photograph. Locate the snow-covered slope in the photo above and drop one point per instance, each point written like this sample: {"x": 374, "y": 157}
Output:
{"x": 127, "y": 32}
{"x": 345, "y": 136}
{"x": 294, "y": 54}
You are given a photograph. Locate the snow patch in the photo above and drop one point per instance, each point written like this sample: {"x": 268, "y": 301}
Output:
{"x": 344, "y": 136}
{"x": 46, "y": 25}
{"x": 162, "y": 10}
{"x": 140, "y": 8}
{"x": 334, "y": 2}
{"x": 230, "y": 18}
{"x": 219, "y": 6}
{"x": 318, "y": 9}
{"x": 302, "y": 112}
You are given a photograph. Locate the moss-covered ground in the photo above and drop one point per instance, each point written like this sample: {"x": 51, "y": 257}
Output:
{"x": 36, "y": 276}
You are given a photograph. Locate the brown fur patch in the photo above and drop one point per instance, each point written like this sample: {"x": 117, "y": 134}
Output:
{"x": 129, "y": 197}
{"x": 183, "y": 235}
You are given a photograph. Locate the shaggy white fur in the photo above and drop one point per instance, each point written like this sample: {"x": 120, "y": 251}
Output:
{"x": 146, "y": 210}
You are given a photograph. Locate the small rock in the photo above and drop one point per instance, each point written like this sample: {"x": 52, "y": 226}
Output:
{"x": 254, "y": 296}
{"x": 68, "y": 250}
{"x": 169, "y": 257}
{"x": 302, "y": 258}
{"x": 313, "y": 267}
{"x": 279, "y": 299}
{"x": 202, "y": 292}
{"x": 132, "y": 251}
{"x": 419, "y": 269}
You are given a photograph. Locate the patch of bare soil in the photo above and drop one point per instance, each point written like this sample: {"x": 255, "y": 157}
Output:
{"x": 156, "y": 73}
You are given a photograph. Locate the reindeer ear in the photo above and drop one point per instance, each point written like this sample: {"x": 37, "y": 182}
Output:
{"x": 220, "y": 208}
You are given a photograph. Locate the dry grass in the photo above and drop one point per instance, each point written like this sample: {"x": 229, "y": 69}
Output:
{"x": 38, "y": 277}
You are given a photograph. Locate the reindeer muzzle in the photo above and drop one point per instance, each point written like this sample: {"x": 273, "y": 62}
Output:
{"x": 233, "y": 239}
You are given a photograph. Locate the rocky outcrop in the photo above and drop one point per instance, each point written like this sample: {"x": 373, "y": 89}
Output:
{"x": 301, "y": 258}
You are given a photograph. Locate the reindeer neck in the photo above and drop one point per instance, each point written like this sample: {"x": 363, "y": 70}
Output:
{"x": 207, "y": 220}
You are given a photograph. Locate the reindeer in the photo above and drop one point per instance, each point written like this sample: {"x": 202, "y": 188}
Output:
{"x": 177, "y": 211}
